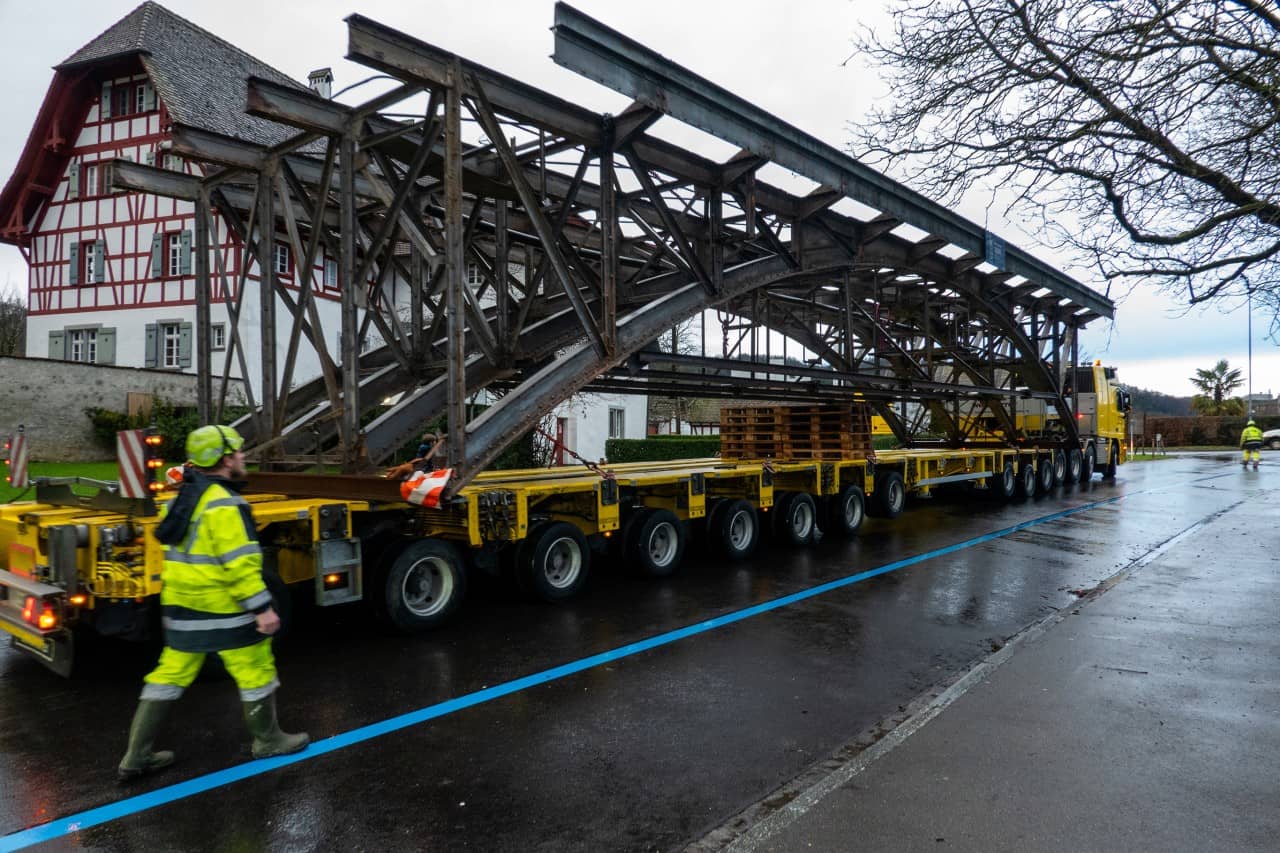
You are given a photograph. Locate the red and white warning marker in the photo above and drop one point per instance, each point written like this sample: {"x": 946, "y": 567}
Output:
{"x": 19, "y": 456}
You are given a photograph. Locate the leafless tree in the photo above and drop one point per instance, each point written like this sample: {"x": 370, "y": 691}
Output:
{"x": 13, "y": 322}
{"x": 1146, "y": 133}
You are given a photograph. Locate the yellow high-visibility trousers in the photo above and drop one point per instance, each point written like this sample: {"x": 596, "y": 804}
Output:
{"x": 252, "y": 667}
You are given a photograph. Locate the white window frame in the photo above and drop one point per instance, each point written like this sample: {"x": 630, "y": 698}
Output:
{"x": 619, "y": 415}
{"x": 170, "y": 345}
{"x": 330, "y": 272}
{"x": 218, "y": 336}
{"x": 140, "y": 98}
{"x": 89, "y": 179}
{"x": 280, "y": 259}
{"x": 173, "y": 254}
{"x": 83, "y": 345}
{"x": 475, "y": 276}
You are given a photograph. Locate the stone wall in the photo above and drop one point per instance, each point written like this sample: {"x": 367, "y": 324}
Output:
{"x": 49, "y": 397}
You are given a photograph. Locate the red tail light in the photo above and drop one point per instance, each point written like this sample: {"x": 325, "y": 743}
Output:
{"x": 29, "y": 609}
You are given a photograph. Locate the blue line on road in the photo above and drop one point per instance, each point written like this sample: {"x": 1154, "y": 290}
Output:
{"x": 133, "y": 805}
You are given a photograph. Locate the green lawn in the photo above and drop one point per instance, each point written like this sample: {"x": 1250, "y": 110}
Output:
{"x": 91, "y": 470}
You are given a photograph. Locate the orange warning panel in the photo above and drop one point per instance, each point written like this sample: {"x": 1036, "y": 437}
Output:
{"x": 22, "y": 560}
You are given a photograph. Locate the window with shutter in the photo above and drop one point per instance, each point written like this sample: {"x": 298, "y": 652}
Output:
{"x": 99, "y": 261}
{"x": 73, "y": 268}
{"x": 151, "y": 352}
{"x": 184, "y": 260}
{"x": 107, "y": 346}
{"x": 73, "y": 181}
{"x": 104, "y": 104}
{"x": 184, "y": 345}
{"x": 58, "y": 344}
{"x": 157, "y": 255}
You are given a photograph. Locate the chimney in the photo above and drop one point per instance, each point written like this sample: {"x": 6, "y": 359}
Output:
{"x": 321, "y": 82}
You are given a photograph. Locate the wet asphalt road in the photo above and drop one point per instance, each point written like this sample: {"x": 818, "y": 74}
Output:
{"x": 647, "y": 751}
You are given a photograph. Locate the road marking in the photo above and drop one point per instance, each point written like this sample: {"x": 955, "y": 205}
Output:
{"x": 61, "y": 827}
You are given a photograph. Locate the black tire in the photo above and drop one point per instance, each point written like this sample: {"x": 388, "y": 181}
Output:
{"x": 1059, "y": 467}
{"x": 796, "y": 522}
{"x": 890, "y": 496}
{"x": 733, "y": 531}
{"x": 424, "y": 586}
{"x": 553, "y": 562}
{"x": 774, "y": 519}
{"x": 1075, "y": 466}
{"x": 1004, "y": 485}
{"x": 656, "y": 544}
{"x": 618, "y": 542}
{"x": 1113, "y": 461}
{"x": 1090, "y": 462}
{"x": 1026, "y": 478}
{"x": 1044, "y": 474}
{"x": 845, "y": 511}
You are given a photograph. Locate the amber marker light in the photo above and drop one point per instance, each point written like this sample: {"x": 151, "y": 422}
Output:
{"x": 79, "y": 599}
{"x": 48, "y": 620}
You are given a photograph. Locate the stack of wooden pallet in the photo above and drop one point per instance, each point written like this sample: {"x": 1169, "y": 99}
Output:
{"x": 819, "y": 431}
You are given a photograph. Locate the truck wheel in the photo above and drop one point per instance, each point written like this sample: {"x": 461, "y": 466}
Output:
{"x": 890, "y": 496}
{"x": 846, "y": 510}
{"x": 553, "y": 562}
{"x": 733, "y": 529}
{"x": 1005, "y": 484}
{"x": 1027, "y": 479}
{"x": 656, "y": 544}
{"x": 797, "y": 519}
{"x": 1075, "y": 465}
{"x": 1090, "y": 462}
{"x": 1113, "y": 461}
{"x": 1059, "y": 468}
{"x": 1044, "y": 474}
{"x": 425, "y": 585}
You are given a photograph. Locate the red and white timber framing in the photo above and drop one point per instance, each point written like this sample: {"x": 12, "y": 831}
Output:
{"x": 95, "y": 263}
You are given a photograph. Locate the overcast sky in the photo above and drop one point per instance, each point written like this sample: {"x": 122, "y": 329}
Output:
{"x": 785, "y": 56}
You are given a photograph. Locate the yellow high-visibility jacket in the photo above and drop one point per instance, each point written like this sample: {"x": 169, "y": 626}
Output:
{"x": 212, "y": 583}
{"x": 1251, "y": 436}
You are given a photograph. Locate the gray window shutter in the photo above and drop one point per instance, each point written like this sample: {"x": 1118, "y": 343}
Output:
{"x": 151, "y": 158}
{"x": 185, "y": 238}
{"x": 157, "y": 256}
{"x": 57, "y": 345}
{"x": 73, "y": 273}
{"x": 73, "y": 181}
{"x": 184, "y": 345}
{"x": 106, "y": 346}
{"x": 104, "y": 106}
{"x": 99, "y": 262}
{"x": 148, "y": 97}
{"x": 152, "y": 335}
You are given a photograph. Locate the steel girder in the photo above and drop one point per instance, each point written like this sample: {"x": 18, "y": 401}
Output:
{"x": 587, "y": 238}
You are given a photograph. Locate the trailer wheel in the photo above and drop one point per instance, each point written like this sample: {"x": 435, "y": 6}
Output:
{"x": 1059, "y": 468}
{"x": 797, "y": 519}
{"x": 1027, "y": 479}
{"x": 1113, "y": 461}
{"x": 656, "y": 543}
{"x": 846, "y": 510}
{"x": 1044, "y": 474}
{"x": 1090, "y": 462}
{"x": 1005, "y": 484}
{"x": 1075, "y": 466}
{"x": 425, "y": 585}
{"x": 890, "y": 496}
{"x": 553, "y": 562}
{"x": 733, "y": 530}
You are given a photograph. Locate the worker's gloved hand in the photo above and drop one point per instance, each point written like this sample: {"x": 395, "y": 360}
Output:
{"x": 268, "y": 621}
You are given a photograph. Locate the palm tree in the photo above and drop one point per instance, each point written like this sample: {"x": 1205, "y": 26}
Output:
{"x": 1215, "y": 385}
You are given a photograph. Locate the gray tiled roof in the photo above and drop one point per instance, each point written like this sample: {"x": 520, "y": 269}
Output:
{"x": 199, "y": 77}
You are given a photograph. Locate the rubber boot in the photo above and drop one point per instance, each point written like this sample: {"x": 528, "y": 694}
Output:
{"x": 139, "y": 759}
{"x": 268, "y": 739}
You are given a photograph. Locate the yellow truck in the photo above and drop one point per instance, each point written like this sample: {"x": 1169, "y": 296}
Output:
{"x": 76, "y": 566}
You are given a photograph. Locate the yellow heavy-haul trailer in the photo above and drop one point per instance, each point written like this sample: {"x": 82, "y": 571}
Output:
{"x": 79, "y": 566}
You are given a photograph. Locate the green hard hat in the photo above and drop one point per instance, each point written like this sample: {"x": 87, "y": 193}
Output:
{"x": 208, "y": 444}
{"x": 1251, "y": 423}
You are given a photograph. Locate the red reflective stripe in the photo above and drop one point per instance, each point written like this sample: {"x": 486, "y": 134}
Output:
{"x": 132, "y": 458}
{"x": 18, "y": 461}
